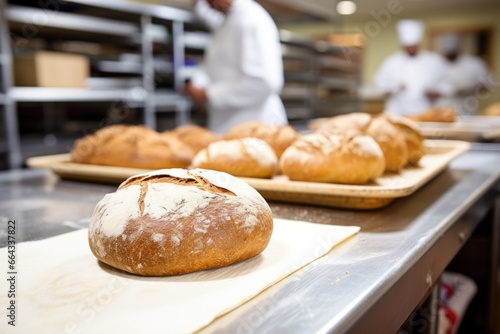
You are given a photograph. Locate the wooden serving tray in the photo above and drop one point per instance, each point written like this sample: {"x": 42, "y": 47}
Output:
{"x": 371, "y": 196}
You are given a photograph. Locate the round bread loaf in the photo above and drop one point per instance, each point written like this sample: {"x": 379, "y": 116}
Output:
{"x": 391, "y": 141}
{"x": 131, "y": 146}
{"x": 195, "y": 136}
{"x": 278, "y": 137}
{"x": 247, "y": 157}
{"x": 174, "y": 221}
{"x": 337, "y": 157}
{"x": 414, "y": 140}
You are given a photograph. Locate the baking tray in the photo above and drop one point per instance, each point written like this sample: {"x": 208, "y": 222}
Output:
{"x": 371, "y": 196}
{"x": 470, "y": 128}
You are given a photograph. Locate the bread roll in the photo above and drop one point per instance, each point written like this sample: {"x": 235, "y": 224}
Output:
{"x": 336, "y": 157}
{"x": 173, "y": 221}
{"x": 278, "y": 137}
{"x": 248, "y": 157}
{"x": 195, "y": 136}
{"x": 444, "y": 114}
{"x": 388, "y": 136}
{"x": 131, "y": 146}
{"x": 391, "y": 141}
{"x": 414, "y": 140}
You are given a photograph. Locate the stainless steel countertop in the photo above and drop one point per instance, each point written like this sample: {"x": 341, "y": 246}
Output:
{"x": 370, "y": 283}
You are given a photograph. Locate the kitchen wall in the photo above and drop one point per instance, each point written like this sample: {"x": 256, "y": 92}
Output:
{"x": 381, "y": 37}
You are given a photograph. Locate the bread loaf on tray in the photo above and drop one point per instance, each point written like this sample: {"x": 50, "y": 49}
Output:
{"x": 391, "y": 141}
{"x": 195, "y": 136}
{"x": 414, "y": 140}
{"x": 342, "y": 156}
{"x": 278, "y": 137}
{"x": 398, "y": 137}
{"x": 437, "y": 114}
{"x": 247, "y": 157}
{"x": 174, "y": 221}
{"x": 131, "y": 146}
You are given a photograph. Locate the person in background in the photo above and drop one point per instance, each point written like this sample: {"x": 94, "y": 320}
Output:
{"x": 412, "y": 79}
{"x": 467, "y": 74}
{"x": 210, "y": 17}
{"x": 242, "y": 73}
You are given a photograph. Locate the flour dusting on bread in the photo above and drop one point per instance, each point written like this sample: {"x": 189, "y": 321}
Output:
{"x": 365, "y": 145}
{"x": 178, "y": 221}
{"x": 117, "y": 209}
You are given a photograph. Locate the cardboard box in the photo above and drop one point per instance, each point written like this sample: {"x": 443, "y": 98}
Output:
{"x": 51, "y": 69}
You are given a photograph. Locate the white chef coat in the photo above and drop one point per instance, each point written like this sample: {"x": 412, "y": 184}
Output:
{"x": 423, "y": 72}
{"x": 243, "y": 70}
{"x": 210, "y": 17}
{"x": 465, "y": 73}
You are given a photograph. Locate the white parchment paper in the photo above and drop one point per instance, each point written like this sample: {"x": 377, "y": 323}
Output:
{"x": 62, "y": 288}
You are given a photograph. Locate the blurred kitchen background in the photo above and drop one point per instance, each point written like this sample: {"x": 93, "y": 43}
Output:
{"x": 68, "y": 68}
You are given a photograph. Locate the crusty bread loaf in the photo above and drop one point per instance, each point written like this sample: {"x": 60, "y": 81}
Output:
{"x": 391, "y": 141}
{"x": 248, "y": 157}
{"x": 444, "y": 114}
{"x": 414, "y": 140}
{"x": 174, "y": 221}
{"x": 131, "y": 146}
{"x": 195, "y": 136}
{"x": 333, "y": 156}
{"x": 278, "y": 137}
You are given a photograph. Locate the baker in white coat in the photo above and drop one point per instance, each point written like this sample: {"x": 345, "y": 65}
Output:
{"x": 412, "y": 79}
{"x": 210, "y": 17}
{"x": 242, "y": 74}
{"x": 468, "y": 74}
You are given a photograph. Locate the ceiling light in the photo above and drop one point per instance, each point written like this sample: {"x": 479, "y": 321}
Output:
{"x": 346, "y": 7}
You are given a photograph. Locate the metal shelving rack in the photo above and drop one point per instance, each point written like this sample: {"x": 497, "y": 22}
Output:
{"x": 132, "y": 28}
{"x": 339, "y": 77}
{"x": 298, "y": 94}
{"x": 12, "y": 147}
{"x": 322, "y": 67}
{"x": 128, "y": 22}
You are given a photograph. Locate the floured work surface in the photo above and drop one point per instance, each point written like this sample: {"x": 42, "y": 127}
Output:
{"x": 63, "y": 288}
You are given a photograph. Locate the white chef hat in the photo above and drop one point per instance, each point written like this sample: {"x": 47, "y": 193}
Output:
{"x": 450, "y": 42}
{"x": 410, "y": 31}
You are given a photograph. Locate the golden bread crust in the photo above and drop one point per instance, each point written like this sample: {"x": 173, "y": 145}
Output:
{"x": 335, "y": 157}
{"x": 246, "y": 157}
{"x": 131, "y": 146}
{"x": 278, "y": 137}
{"x": 172, "y": 222}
